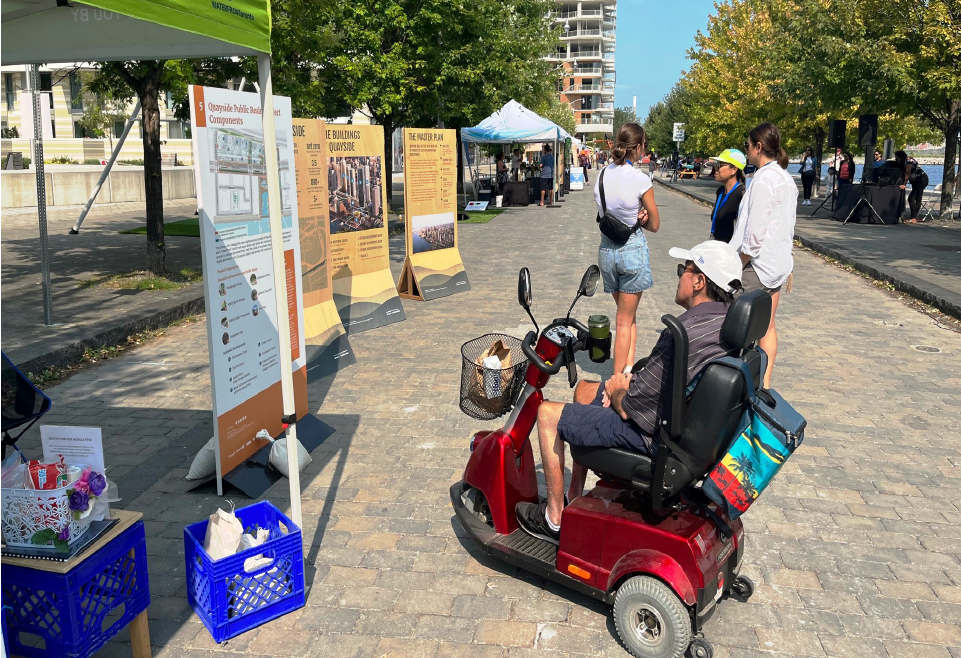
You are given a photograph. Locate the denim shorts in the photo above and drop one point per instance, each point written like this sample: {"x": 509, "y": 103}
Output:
{"x": 596, "y": 426}
{"x": 625, "y": 268}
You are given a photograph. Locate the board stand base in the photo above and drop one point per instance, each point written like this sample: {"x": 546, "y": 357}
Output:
{"x": 407, "y": 286}
{"x": 255, "y": 475}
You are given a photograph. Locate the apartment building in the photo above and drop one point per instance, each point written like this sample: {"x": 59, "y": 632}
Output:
{"x": 586, "y": 52}
{"x": 62, "y": 106}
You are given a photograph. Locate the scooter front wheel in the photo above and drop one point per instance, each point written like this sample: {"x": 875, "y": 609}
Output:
{"x": 650, "y": 620}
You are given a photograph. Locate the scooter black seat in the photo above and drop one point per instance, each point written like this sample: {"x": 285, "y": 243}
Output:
{"x": 701, "y": 427}
{"x": 617, "y": 463}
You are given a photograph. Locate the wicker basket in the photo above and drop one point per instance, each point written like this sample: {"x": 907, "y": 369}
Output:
{"x": 28, "y": 511}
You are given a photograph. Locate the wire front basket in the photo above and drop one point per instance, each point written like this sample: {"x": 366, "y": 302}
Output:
{"x": 487, "y": 393}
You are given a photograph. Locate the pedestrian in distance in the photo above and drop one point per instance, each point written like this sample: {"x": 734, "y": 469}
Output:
{"x": 912, "y": 173}
{"x": 846, "y": 170}
{"x": 547, "y": 176}
{"x": 729, "y": 172}
{"x": 764, "y": 232}
{"x": 516, "y": 160}
{"x": 584, "y": 163}
{"x": 626, "y": 268}
{"x": 808, "y": 171}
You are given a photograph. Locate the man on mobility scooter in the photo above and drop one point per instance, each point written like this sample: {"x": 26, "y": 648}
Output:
{"x": 624, "y": 411}
{"x": 659, "y": 536}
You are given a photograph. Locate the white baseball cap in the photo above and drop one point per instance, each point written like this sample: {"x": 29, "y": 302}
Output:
{"x": 716, "y": 259}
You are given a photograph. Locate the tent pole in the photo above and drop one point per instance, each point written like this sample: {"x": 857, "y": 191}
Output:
{"x": 35, "y": 96}
{"x": 106, "y": 170}
{"x": 280, "y": 280}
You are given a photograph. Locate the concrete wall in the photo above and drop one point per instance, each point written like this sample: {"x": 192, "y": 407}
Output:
{"x": 72, "y": 185}
{"x": 99, "y": 149}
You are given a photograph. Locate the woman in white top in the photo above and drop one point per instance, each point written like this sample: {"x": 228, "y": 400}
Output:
{"x": 626, "y": 268}
{"x": 764, "y": 233}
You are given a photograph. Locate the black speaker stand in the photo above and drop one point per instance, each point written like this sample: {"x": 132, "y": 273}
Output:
{"x": 871, "y": 218}
{"x": 832, "y": 197}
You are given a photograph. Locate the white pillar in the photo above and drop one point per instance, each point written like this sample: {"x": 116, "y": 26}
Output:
{"x": 280, "y": 279}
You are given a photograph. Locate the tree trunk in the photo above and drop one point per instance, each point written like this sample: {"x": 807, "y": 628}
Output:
{"x": 950, "y": 161}
{"x": 149, "y": 93}
{"x": 388, "y": 123}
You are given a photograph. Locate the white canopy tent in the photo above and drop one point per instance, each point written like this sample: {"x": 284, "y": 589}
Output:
{"x": 514, "y": 123}
{"x": 39, "y": 31}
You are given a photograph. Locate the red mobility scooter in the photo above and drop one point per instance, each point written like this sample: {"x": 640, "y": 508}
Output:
{"x": 644, "y": 539}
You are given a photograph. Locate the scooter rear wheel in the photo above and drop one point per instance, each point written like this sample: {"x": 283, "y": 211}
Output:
{"x": 650, "y": 620}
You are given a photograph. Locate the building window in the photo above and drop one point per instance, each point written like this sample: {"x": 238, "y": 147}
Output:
{"x": 175, "y": 129}
{"x": 46, "y": 81}
{"x": 8, "y": 84}
{"x": 76, "y": 92}
{"x": 79, "y": 132}
{"x": 118, "y": 128}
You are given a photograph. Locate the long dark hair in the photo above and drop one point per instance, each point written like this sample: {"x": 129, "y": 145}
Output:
{"x": 629, "y": 137}
{"x": 768, "y": 137}
{"x": 902, "y": 159}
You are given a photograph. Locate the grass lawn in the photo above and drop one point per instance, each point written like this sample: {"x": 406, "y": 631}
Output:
{"x": 481, "y": 217}
{"x": 138, "y": 280}
{"x": 185, "y": 227}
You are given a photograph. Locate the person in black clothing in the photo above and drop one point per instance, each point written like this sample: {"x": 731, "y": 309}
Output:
{"x": 919, "y": 180}
{"x": 729, "y": 172}
{"x": 808, "y": 173}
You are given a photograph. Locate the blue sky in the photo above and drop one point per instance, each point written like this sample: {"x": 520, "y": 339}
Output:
{"x": 652, "y": 42}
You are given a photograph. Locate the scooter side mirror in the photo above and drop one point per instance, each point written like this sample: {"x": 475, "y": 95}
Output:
{"x": 589, "y": 281}
{"x": 524, "y": 295}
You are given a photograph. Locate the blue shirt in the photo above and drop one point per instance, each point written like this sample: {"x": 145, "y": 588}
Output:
{"x": 547, "y": 163}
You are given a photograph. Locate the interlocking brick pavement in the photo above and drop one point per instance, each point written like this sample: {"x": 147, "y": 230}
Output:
{"x": 854, "y": 547}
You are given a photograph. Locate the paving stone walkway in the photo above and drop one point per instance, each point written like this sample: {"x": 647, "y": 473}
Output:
{"x": 855, "y": 547}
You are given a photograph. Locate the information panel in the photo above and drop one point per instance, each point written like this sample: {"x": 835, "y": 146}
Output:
{"x": 363, "y": 287}
{"x": 433, "y": 266}
{"x": 239, "y": 278}
{"x": 328, "y": 349}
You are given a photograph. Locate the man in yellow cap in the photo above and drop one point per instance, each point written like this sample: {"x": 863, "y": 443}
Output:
{"x": 729, "y": 172}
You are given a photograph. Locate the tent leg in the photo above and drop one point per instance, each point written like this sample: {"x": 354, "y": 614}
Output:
{"x": 41, "y": 192}
{"x": 280, "y": 280}
{"x": 106, "y": 170}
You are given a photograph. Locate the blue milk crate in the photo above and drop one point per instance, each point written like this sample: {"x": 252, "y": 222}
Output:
{"x": 68, "y": 611}
{"x": 231, "y": 601}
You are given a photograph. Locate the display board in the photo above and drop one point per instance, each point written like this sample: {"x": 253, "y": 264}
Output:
{"x": 577, "y": 178}
{"x": 433, "y": 266}
{"x": 239, "y": 279}
{"x": 362, "y": 284}
{"x": 327, "y": 345}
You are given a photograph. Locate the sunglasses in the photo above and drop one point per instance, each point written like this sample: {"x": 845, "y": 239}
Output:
{"x": 683, "y": 267}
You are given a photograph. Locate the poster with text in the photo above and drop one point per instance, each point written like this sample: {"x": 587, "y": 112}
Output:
{"x": 327, "y": 346}
{"x": 433, "y": 266}
{"x": 357, "y": 183}
{"x": 239, "y": 279}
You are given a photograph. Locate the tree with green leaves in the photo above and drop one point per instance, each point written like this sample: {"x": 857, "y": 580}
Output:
{"x": 100, "y": 112}
{"x": 148, "y": 79}
{"x": 623, "y": 115}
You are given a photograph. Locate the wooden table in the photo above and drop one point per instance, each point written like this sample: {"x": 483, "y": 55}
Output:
{"x": 139, "y": 632}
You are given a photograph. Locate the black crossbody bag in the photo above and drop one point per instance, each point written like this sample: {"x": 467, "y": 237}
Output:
{"x": 613, "y": 229}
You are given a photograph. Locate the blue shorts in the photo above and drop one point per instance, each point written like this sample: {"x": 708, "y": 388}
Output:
{"x": 625, "y": 268}
{"x": 596, "y": 426}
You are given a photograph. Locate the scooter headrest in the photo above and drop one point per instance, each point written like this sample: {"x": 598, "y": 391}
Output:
{"x": 747, "y": 320}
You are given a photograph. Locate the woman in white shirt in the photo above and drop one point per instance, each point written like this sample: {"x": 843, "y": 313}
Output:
{"x": 764, "y": 232}
{"x": 626, "y": 268}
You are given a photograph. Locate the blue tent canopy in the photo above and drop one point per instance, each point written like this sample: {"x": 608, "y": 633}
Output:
{"x": 514, "y": 123}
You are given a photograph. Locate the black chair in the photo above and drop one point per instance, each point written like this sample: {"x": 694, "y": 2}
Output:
{"x": 22, "y": 403}
{"x": 695, "y": 431}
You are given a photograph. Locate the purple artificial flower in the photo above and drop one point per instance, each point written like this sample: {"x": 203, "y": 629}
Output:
{"x": 79, "y": 501}
{"x": 97, "y": 483}
{"x": 64, "y": 534}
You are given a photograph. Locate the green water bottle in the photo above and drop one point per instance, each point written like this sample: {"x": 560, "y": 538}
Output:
{"x": 600, "y": 331}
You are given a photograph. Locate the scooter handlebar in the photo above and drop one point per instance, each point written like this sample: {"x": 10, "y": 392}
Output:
{"x": 528, "y": 347}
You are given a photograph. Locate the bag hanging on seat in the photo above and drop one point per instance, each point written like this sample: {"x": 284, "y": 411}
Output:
{"x": 769, "y": 432}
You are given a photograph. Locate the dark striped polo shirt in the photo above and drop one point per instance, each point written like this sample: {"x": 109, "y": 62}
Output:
{"x": 648, "y": 394}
